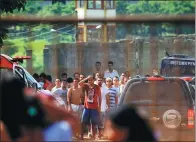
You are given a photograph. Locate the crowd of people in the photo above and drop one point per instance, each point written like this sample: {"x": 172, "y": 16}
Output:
{"x": 89, "y": 98}
{"x": 91, "y": 107}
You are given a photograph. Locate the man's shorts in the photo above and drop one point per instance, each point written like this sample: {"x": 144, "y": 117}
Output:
{"x": 102, "y": 119}
{"x": 77, "y": 110}
{"x": 90, "y": 116}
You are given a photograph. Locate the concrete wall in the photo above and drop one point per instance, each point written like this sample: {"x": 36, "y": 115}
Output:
{"x": 139, "y": 56}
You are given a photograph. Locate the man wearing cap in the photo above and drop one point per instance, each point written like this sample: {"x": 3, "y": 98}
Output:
{"x": 92, "y": 104}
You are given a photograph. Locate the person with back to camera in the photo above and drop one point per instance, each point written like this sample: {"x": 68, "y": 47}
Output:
{"x": 30, "y": 113}
{"x": 127, "y": 125}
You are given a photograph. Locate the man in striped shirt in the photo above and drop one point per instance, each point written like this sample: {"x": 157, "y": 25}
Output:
{"x": 112, "y": 96}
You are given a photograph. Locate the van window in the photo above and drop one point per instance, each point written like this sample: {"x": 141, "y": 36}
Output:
{"x": 159, "y": 93}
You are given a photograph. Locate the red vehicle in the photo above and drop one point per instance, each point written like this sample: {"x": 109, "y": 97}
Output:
{"x": 8, "y": 64}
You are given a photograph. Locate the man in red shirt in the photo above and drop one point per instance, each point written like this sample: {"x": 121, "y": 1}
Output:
{"x": 92, "y": 104}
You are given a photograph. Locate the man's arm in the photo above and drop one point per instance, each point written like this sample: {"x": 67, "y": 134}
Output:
{"x": 82, "y": 82}
{"x": 69, "y": 99}
{"x": 116, "y": 99}
{"x": 100, "y": 99}
{"x": 108, "y": 100}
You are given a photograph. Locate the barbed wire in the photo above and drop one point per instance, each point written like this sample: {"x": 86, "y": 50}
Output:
{"x": 31, "y": 31}
{"x": 66, "y": 33}
{"x": 50, "y": 32}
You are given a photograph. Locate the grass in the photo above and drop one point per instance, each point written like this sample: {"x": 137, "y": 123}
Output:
{"x": 17, "y": 47}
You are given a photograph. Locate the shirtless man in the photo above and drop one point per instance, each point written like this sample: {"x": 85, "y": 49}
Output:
{"x": 74, "y": 101}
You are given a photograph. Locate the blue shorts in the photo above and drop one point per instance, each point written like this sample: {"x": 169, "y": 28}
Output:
{"x": 90, "y": 116}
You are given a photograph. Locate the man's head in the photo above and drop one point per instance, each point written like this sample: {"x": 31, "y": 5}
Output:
{"x": 109, "y": 82}
{"x": 100, "y": 81}
{"x": 42, "y": 77}
{"x": 127, "y": 73}
{"x": 90, "y": 80}
{"x": 126, "y": 79}
{"x": 36, "y": 77}
{"x": 98, "y": 65}
{"x": 76, "y": 75}
{"x": 82, "y": 76}
{"x": 97, "y": 75}
{"x": 64, "y": 76}
{"x": 49, "y": 78}
{"x": 64, "y": 84}
{"x": 110, "y": 65}
{"x": 116, "y": 81}
{"x": 75, "y": 82}
{"x": 69, "y": 82}
{"x": 58, "y": 83}
{"x": 123, "y": 75}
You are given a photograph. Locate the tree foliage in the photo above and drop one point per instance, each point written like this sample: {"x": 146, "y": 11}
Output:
{"x": 57, "y": 9}
{"x": 9, "y": 6}
{"x": 34, "y": 7}
{"x": 154, "y": 8}
{"x": 162, "y": 7}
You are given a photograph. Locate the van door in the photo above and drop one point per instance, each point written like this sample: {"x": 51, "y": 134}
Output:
{"x": 19, "y": 72}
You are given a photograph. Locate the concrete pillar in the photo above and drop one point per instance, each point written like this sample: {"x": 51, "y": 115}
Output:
{"x": 46, "y": 60}
{"x": 153, "y": 48}
{"x": 153, "y": 54}
{"x": 131, "y": 58}
{"x": 29, "y": 64}
{"x": 105, "y": 33}
{"x": 140, "y": 51}
{"x": 85, "y": 33}
{"x": 54, "y": 63}
{"x": 80, "y": 54}
{"x": 105, "y": 48}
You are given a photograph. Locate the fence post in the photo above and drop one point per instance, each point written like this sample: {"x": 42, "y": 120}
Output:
{"x": 46, "y": 60}
{"x": 153, "y": 48}
{"x": 54, "y": 63}
{"x": 140, "y": 51}
{"x": 29, "y": 64}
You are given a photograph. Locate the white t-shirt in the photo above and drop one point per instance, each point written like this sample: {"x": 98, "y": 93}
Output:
{"x": 104, "y": 91}
{"x": 112, "y": 74}
{"x": 54, "y": 89}
{"x": 122, "y": 88}
{"x": 61, "y": 93}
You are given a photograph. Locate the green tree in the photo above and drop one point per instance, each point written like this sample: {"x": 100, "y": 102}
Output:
{"x": 58, "y": 9}
{"x": 9, "y": 6}
{"x": 121, "y": 7}
{"x": 156, "y": 8}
